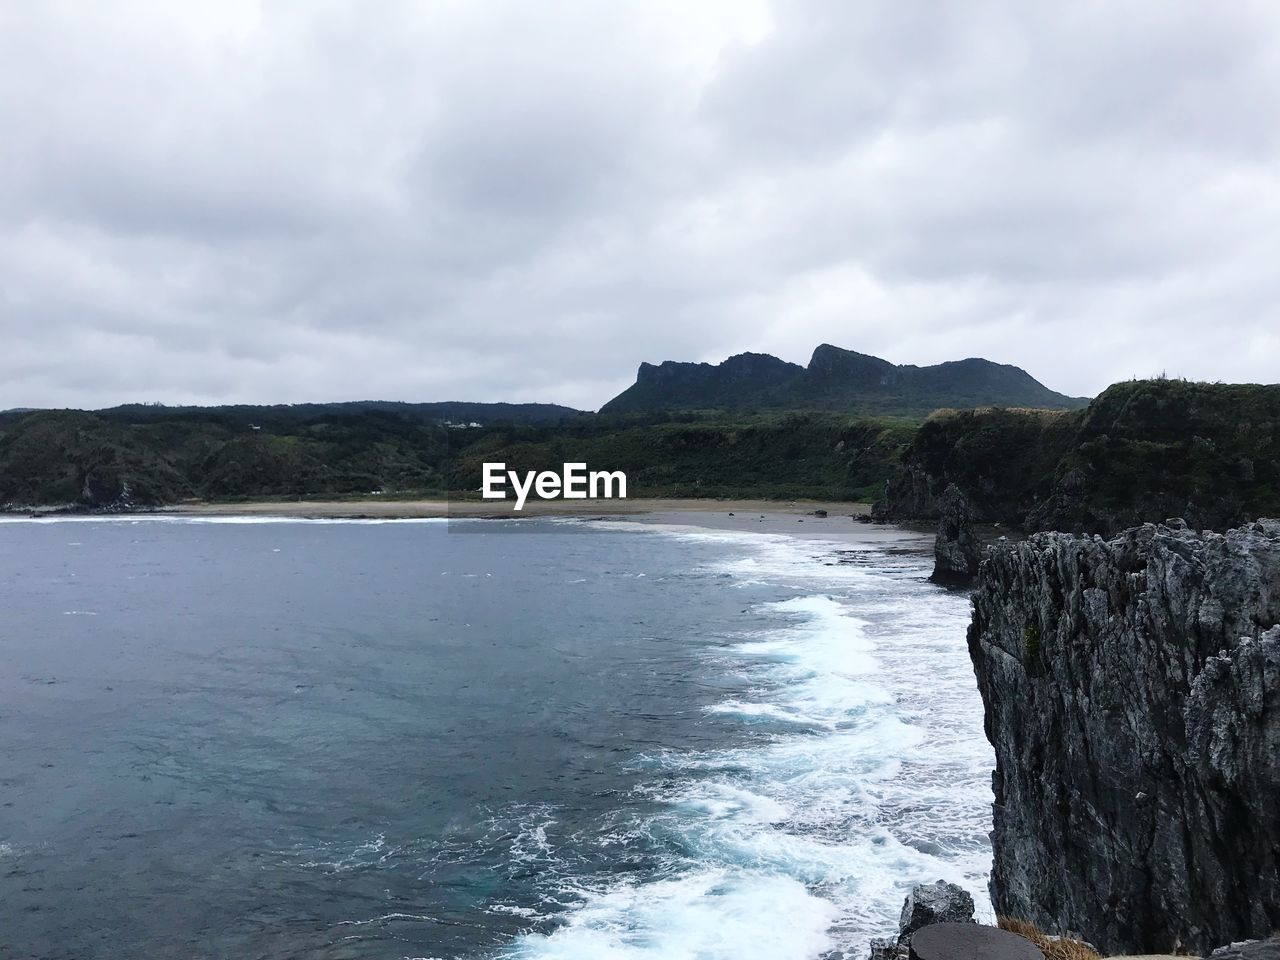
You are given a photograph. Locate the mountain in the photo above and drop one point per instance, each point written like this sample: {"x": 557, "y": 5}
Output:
{"x": 834, "y": 379}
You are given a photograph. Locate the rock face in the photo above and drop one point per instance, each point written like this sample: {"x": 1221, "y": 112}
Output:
{"x": 956, "y": 550}
{"x": 1132, "y": 694}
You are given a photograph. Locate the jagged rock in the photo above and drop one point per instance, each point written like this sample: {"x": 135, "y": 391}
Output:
{"x": 887, "y": 948}
{"x": 938, "y": 902}
{"x": 1132, "y": 694}
{"x": 956, "y": 550}
{"x": 1249, "y": 950}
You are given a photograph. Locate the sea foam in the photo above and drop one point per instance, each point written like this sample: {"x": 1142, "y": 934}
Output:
{"x": 858, "y": 781}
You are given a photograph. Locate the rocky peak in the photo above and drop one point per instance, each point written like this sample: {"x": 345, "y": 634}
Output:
{"x": 849, "y": 366}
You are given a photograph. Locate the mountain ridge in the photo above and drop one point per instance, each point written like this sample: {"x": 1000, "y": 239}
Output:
{"x": 834, "y": 378}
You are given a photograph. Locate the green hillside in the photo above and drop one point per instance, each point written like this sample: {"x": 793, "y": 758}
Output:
{"x": 145, "y": 456}
{"x": 793, "y": 455}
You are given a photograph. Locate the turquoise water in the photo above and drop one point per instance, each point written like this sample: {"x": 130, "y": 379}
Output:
{"x": 387, "y": 740}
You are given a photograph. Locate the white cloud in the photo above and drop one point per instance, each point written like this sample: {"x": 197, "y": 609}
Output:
{"x": 271, "y": 202}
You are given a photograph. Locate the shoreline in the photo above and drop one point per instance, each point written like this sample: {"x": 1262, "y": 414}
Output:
{"x": 794, "y": 519}
{"x": 502, "y": 509}
{"x": 791, "y": 518}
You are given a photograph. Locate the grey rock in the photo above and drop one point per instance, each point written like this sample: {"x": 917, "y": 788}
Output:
{"x": 1132, "y": 694}
{"x": 1249, "y": 950}
{"x": 938, "y": 902}
{"x": 887, "y": 948}
{"x": 956, "y": 550}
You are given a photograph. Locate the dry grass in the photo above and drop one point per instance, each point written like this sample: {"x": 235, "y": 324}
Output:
{"x": 1053, "y": 949}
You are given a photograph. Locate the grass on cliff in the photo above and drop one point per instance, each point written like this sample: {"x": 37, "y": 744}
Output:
{"x": 1054, "y": 948}
{"x": 1142, "y": 450}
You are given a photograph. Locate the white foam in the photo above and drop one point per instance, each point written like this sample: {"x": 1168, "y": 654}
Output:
{"x": 743, "y": 915}
{"x": 862, "y": 781}
{"x": 235, "y": 519}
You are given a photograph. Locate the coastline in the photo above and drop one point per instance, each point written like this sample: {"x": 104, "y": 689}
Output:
{"x": 502, "y": 509}
{"x": 790, "y": 518}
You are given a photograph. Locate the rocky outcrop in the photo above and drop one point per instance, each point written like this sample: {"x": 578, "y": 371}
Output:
{"x": 956, "y": 549}
{"x": 1132, "y": 694}
{"x": 1249, "y": 950}
{"x": 938, "y": 902}
{"x": 928, "y": 903}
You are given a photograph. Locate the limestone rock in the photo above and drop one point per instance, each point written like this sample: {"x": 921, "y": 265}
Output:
{"x": 956, "y": 550}
{"x": 887, "y": 948}
{"x": 1249, "y": 950}
{"x": 1132, "y": 694}
{"x": 938, "y": 902}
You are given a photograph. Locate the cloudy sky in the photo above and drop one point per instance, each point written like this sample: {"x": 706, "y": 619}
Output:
{"x": 276, "y": 202}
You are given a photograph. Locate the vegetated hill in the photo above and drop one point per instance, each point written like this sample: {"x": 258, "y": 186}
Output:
{"x": 450, "y": 410}
{"x": 834, "y": 379}
{"x": 789, "y": 455}
{"x": 1142, "y": 451}
{"x": 63, "y": 457}
{"x": 149, "y": 456}
{"x": 74, "y": 458}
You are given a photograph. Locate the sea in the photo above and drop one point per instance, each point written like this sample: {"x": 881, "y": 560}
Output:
{"x": 477, "y": 740}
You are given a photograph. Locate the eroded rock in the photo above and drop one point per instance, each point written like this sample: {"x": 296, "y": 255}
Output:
{"x": 956, "y": 550}
{"x": 938, "y": 902}
{"x": 1132, "y": 694}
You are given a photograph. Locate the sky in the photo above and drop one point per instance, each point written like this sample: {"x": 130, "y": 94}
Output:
{"x": 487, "y": 200}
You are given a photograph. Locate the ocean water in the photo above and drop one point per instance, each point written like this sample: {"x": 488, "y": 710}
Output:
{"x": 545, "y": 739}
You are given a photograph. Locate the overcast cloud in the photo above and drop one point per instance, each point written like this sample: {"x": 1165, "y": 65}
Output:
{"x": 278, "y": 202}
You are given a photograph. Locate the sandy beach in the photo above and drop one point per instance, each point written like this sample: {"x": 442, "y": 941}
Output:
{"x": 793, "y": 518}
{"x": 417, "y": 509}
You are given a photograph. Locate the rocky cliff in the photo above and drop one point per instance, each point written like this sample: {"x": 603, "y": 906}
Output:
{"x": 1141, "y": 451}
{"x": 1132, "y": 693}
